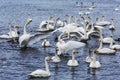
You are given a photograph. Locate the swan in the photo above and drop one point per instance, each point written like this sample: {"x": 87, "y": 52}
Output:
{"x": 94, "y": 63}
{"x": 103, "y": 50}
{"x": 56, "y": 58}
{"x": 102, "y": 22}
{"x": 66, "y": 46}
{"x": 73, "y": 62}
{"x": 115, "y": 46}
{"x": 61, "y": 23}
{"x": 40, "y": 72}
{"x": 92, "y": 6}
{"x": 112, "y": 27}
{"x": 47, "y": 25}
{"x": 27, "y": 39}
{"x": 45, "y": 43}
{"x": 11, "y": 34}
{"x": 87, "y": 12}
{"x": 117, "y": 8}
{"x": 81, "y": 12}
{"x": 88, "y": 59}
{"x": 106, "y": 40}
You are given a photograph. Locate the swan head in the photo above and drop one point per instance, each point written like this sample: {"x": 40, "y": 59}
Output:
{"x": 29, "y": 20}
{"x": 86, "y": 22}
{"x": 16, "y": 27}
{"x": 75, "y": 51}
{"x": 96, "y": 51}
{"x": 48, "y": 58}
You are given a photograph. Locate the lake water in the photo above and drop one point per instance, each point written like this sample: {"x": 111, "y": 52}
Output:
{"x": 16, "y": 64}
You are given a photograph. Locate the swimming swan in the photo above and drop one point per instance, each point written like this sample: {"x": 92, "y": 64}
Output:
{"x": 73, "y": 62}
{"x": 94, "y": 63}
{"x": 27, "y": 39}
{"x": 56, "y": 58}
{"x": 40, "y": 72}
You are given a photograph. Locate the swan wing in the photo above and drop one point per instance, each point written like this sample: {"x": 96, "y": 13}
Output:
{"x": 39, "y": 73}
{"x": 37, "y": 37}
{"x": 74, "y": 44}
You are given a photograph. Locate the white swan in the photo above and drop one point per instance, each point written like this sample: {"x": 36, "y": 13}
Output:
{"x": 73, "y": 62}
{"x": 103, "y": 50}
{"x": 56, "y": 58}
{"x": 107, "y": 40}
{"x": 40, "y": 72}
{"x": 88, "y": 59}
{"x": 45, "y": 43}
{"x": 47, "y": 25}
{"x": 115, "y": 46}
{"x": 27, "y": 39}
{"x": 11, "y": 34}
{"x": 66, "y": 46}
{"x": 94, "y": 63}
{"x": 102, "y": 22}
{"x": 112, "y": 27}
{"x": 117, "y": 8}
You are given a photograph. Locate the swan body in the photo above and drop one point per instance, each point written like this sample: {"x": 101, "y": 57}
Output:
{"x": 40, "y": 72}
{"x": 56, "y": 58}
{"x": 107, "y": 40}
{"x": 94, "y": 63}
{"x": 112, "y": 27}
{"x": 103, "y": 50}
{"x": 69, "y": 45}
{"x": 73, "y": 62}
{"x": 11, "y": 34}
{"x": 103, "y": 22}
{"x": 88, "y": 59}
{"x": 27, "y": 39}
{"x": 106, "y": 51}
{"x": 115, "y": 46}
{"x": 45, "y": 43}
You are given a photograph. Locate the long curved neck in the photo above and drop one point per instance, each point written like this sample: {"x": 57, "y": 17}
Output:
{"x": 85, "y": 26}
{"x": 75, "y": 20}
{"x": 101, "y": 37}
{"x": 94, "y": 57}
{"x": 111, "y": 44}
{"x": 10, "y": 28}
{"x": 100, "y": 47}
{"x": 73, "y": 56}
{"x": 15, "y": 31}
{"x": 69, "y": 19}
{"x": 25, "y": 32}
{"x": 112, "y": 22}
{"x": 46, "y": 66}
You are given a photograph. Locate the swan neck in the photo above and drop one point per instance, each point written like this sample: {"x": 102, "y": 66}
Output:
{"x": 100, "y": 47}
{"x": 25, "y": 32}
{"x": 85, "y": 26}
{"x": 15, "y": 31}
{"x": 10, "y": 30}
{"x": 46, "y": 66}
{"x": 111, "y": 44}
{"x": 94, "y": 57}
{"x": 69, "y": 19}
{"x": 73, "y": 56}
{"x": 101, "y": 37}
{"x": 75, "y": 20}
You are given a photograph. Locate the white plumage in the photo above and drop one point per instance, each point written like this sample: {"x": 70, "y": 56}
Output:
{"x": 73, "y": 62}
{"x": 40, "y": 72}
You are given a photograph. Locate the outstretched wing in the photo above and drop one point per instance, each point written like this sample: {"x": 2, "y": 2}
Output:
{"x": 74, "y": 44}
{"x": 37, "y": 37}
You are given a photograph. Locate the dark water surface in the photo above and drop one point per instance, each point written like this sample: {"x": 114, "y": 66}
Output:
{"x": 16, "y": 64}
